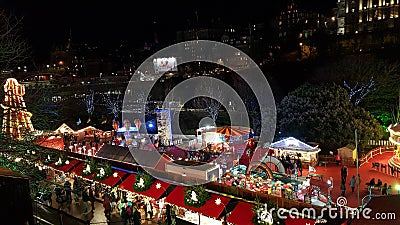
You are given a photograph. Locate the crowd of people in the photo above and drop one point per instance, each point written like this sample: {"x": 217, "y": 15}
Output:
{"x": 385, "y": 189}
{"x": 292, "y": 165}
{"x": 127, "y": 206}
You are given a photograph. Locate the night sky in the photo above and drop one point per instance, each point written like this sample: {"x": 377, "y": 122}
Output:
{"x": 109, "y": 22}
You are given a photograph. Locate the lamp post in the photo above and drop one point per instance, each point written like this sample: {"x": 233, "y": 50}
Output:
{"x": 219, "y": 202}
{"x": 398, "y": 189}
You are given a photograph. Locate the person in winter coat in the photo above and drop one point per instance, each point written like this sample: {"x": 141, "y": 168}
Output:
{"x": 107, "y": 208}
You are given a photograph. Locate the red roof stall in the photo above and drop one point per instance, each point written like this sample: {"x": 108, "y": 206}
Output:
{"x": 242, "y": 214}
{"x": 152, "y": 192}
{"x": 210, "y": 208}
{"x": 66, "y": 168}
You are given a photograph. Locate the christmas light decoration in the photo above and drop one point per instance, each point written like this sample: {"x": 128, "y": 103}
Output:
{"x": 16, "y": 119}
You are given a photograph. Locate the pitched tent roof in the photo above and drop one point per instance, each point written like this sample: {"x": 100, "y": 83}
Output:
{"x": 294, "y": 144}
{"x": 88, "y": 128}
{"x": 233, "y": 130}
{"x": 64, "y": 127}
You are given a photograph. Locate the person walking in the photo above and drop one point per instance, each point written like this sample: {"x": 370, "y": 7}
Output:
{"x": 353, "y": 183}
{"x": 168, "y": 214}
{"x": 85, "y": 199}
{"x": 343, "y": 189}
{"x": 137, "y": 218}
{"x": 107, "y": 208}
{"x": 92, "y": 199}
{"x": 389, "y": 190}
{"x": 344, "y": 174}
{"x": 330, "y": 185}
{"x": 338, "y": 159}
{"x": 299, "y": 166}
{"x": 384, "y": 189}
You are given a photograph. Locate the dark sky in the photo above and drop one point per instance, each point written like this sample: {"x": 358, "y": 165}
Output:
{"x": 109, "y": 22}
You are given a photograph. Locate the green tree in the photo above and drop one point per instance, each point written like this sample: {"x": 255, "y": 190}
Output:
{"x": 324, "y": 113}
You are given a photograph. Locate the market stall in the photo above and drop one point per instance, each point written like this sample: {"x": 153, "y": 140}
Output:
{"x": 294, "y": 148}
{"x": 220, "y": 139}
{"x": 242, "y": 214}
{"x": 257, "y": 182}
{"x": 210, "y": 213}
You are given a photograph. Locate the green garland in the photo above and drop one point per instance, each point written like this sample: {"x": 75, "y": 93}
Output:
{"x": 147, "y": 182}
{"x": 263, "y": 215}
{"x": 107, "y": 172}
{"x": 201, "y": 196}
{"x": 63, "y": 158}
{"x": 92, "y": 165}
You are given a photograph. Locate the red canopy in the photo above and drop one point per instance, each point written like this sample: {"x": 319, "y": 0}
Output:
{"x": 78, "y": 171}
{"x": 242, "y": 214}
{"x": 233, "y": 130}
{"x": 111, "y": 180}
{"x": 127, "y": 184}
{"x": 210, "y": 209}
{"x": 152, "y": 192}
{"x": 73, "y": 163}
{"x": 299, "y": 221}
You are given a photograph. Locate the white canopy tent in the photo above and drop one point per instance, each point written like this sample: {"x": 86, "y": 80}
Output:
{"x": 292, "y": 147}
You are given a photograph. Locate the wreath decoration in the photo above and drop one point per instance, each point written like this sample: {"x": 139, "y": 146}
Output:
{"x": 263, "y": 215}
{"x": 49, "y": 159}
{"x": 196, "y": 196}
{"x": 103, "y": 172}
{"x": 143, "y": 182}
{"x": 89, "y": 168}
{"x": 61, "y": 160}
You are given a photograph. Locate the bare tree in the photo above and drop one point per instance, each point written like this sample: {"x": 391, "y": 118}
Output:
{"x": 359, "y": 74}
{"x": 211, "y": 105}
{"x": 358, "y": 91}
{"x": 13, "y": 47}
{"x": 89, "y": 101}
{"x": 113, "y": 104}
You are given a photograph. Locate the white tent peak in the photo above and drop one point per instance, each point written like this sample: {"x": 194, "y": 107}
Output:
{"x": 292, "y": 143}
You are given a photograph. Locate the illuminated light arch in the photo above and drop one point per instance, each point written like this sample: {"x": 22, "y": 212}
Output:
{"x": 259, "y": 167}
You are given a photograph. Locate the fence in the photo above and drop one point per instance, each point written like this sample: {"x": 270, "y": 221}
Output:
{"x": 379, "y": 143}
{"x": 374, "y": 152}
{"x": 331, "y": 159}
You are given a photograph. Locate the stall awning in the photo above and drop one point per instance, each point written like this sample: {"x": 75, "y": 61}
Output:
{"x": 176, "y": 197}
{"x": 127, "y": 184}
{"x": 152, "y": 192}
{"x": 111, "y": 180}
{"x": 66, "y": 168}
{"x": 299, "y": 221}
{"x": 78, "y": 171}
{"x": 242, "y": 214}
{"x": 292, "y": 144}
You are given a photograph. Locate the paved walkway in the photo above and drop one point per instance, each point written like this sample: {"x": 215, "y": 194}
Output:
{"x": 366, "y": 174}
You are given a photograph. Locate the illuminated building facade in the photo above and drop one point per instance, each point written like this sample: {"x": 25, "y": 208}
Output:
{"x": 355, "y": 16}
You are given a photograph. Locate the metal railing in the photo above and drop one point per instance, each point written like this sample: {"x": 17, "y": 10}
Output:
{"x": 374, "y": 152}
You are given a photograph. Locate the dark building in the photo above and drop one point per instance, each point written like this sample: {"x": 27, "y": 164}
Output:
{"x": 249, "y": 38}
{"x": 16, "y": 207}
